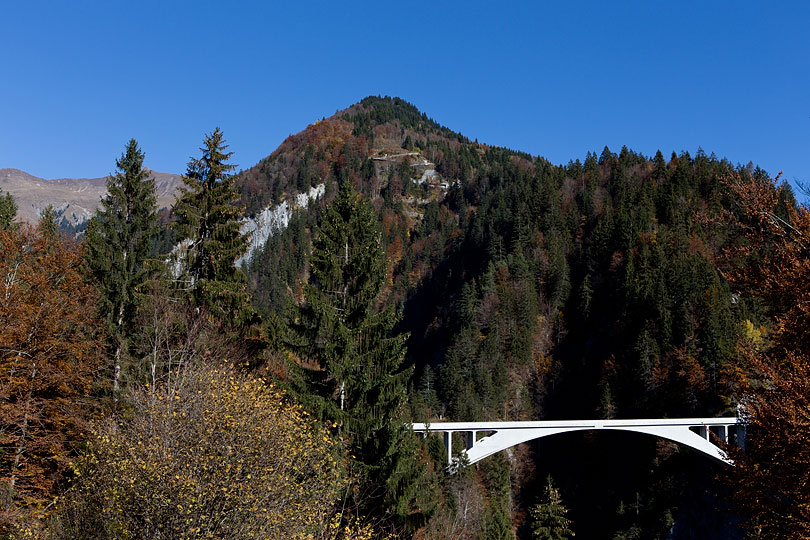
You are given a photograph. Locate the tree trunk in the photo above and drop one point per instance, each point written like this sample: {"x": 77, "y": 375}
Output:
{"x": 118, "y": 347}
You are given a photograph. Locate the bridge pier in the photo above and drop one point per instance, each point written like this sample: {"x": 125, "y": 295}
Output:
{"x": 469, "y": 441}
{"x": 721, "y": 432}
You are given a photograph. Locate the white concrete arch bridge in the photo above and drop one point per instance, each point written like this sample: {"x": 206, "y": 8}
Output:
{"x": 486, "y": 438}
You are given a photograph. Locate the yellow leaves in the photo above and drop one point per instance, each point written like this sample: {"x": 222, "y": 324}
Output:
{"x": 753, "y": 334}
{"x": 233, "y": 446}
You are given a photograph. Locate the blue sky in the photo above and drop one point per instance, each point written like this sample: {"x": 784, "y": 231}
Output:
{"x": 555, "y": 79}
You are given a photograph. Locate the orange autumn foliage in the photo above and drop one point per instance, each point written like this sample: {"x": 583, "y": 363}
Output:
{"x": 778, "y": 238}
{"x": 772, "y": 262}
{"x": 49, "y": 354}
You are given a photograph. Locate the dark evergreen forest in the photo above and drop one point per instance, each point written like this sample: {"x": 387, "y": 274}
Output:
{"x": 536, "y": 291}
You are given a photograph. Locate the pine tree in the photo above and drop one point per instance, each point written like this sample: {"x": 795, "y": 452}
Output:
{"x": 359, "y": 383}
{"x": 8, "y": 211}
{"x": 117, "y": 245}
{"x": 495, "y": 474}
{"x": 607, "y": 408}
{"x": 208, "y": 216}
{"x": 47, "y": 224}
{"x": 499, "y": 527}
{"x": 660, "y": 170}
{"x": 548, "y": 517}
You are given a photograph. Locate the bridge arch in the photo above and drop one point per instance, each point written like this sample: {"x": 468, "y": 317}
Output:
{"x": 701, "y": 434}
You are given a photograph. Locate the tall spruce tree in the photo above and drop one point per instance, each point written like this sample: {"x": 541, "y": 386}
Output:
{"x": 358, "y": 381}
{"x": 548, "y": 516}
{"x": 117, "y": 246}
{"x": 208, "y": 216}
{"x": 8, "y": 211}
{"x": 48, "y": 226}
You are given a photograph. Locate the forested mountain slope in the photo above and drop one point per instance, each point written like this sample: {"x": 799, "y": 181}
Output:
{"x": 537, "y": 291}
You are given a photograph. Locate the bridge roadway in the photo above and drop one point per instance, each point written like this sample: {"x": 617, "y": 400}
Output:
{"x": 486, "y": 438}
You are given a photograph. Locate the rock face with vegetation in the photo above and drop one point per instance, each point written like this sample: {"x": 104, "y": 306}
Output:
{"x": 431, "y": 278}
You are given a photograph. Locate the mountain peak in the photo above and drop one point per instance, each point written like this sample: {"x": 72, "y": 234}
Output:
{"x": 377, "y": 110}
{"x": 351, "y": 144}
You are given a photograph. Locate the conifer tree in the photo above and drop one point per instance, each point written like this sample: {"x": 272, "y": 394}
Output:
{"x": 359, "y": 382}
{"x": 499, "y": 527}
{"x": 208, "y": 216}
{"x": 47, "y": 225}
{"x": 495, "y": 474}
{"x": 548, "y": 516}
{"x": 117, "y": 245}
{"x": 660, "y": 170}
{"x": 8, "y": 211}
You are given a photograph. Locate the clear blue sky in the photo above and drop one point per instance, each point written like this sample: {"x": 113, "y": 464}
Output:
{"x": 555, "y": 79}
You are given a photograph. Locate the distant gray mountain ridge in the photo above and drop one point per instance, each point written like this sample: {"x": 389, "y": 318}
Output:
{"x": 75, "y": 200}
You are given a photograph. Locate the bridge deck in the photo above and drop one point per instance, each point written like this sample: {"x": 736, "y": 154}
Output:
{"x": 573, "y": 424}
{"x": 702, "y": 434}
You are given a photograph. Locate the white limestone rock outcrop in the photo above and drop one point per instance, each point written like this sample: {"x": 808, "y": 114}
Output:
{"x": 275, "y": 219}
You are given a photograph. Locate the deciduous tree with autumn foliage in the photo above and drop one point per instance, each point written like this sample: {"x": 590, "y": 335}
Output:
{"x": 773, "y": 264}
{"x": 49, "y": 353}
{"x": 210, "y": 453}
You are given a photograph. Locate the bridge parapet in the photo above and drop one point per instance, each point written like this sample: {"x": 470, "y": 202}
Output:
{"x": 701, "y": 434}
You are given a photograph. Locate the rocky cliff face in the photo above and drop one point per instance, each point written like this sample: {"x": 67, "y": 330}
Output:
{"x": 74, "y": 199}
{"x": 274, "y": 219}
